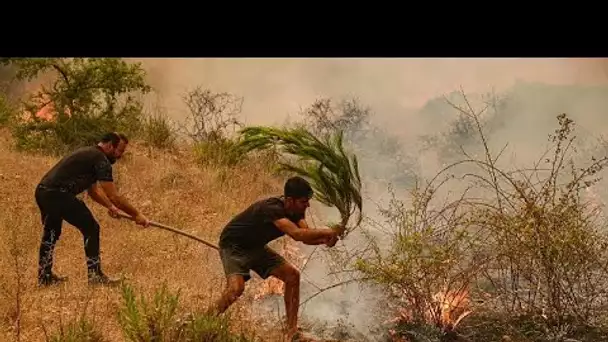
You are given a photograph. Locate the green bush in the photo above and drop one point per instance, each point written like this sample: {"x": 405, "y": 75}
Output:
{"x": 218, "y": 152}
{"x": 143, "y": 321}
{"x": 80, "y": 330}
{"x": 210, "y": 328}
{"x": 158, "y": 321}
{"x": 158, "y": 131}
{"x": 61, "y": 137}
{"x": 89, "y": 96}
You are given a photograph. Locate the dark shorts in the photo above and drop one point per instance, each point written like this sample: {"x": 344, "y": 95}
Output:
{"x": 238, "y": 261}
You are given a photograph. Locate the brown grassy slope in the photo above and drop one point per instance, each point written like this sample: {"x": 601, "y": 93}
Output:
{"x": 170, "y": 189}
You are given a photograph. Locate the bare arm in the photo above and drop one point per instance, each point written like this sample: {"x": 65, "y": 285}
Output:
{"x": 307, "y": 236}
{"x": 110, "y": 191}
{"x": 98, "y": 196}
{"x": 318, "y": 241}
{"x": 304, "y": 225}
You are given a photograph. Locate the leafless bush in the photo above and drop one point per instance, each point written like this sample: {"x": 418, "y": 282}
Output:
{"x": 522, "y": 242}
{"x": 211, "y": 115}
{"x": 324, "y": 116}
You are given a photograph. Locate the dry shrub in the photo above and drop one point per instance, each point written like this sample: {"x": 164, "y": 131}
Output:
{"x": 549, "y": 256}
{"x": 158, "y": 131}
{"x": 7, "y": 112}
{"x": 158, "y": 320}
{"x": 428, "y": 269}
{"x": 514, "y": 246}
{"x": 211, "y": 115}
{"x": 325, "y": 116}
{"x": 145, "y": 322}
{"x": 218, "y": 152}
{"x": 210, "y": 121}
{"x": 81, "y": 330}
{"x": 13, "y": 287}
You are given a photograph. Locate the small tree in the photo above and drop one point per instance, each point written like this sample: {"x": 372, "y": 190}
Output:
{"x": 461, "y": 130}
{"x": 210, "y": 119}
{"x": 211, "y": 115}
{"x": 85, "y": 97}
{"x": 326, "y": 117}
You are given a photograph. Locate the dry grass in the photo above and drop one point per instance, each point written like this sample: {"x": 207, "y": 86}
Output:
{"x": 170, "y": 189}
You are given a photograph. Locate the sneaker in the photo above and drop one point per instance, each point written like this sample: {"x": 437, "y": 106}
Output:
{"x": 102, "y": 279}
{"x": 50, "y": 279}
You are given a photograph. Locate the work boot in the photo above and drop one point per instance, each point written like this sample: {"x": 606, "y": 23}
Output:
{"x": 98, "y": 278}
{"x": 48, "y": 279}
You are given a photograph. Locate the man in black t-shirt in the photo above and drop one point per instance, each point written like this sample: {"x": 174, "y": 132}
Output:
{"x": 243, "y": 245}
{"x": 88, "y": 168}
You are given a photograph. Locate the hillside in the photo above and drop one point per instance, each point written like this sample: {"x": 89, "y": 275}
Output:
{"x": 461, "y": 240}
{"x": 172, "y": 190}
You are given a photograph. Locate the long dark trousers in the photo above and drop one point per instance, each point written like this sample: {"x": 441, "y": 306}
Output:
{"x": 56, "y": 206}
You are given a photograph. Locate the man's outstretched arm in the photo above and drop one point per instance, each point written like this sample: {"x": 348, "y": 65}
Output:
{"x": 307, "y": 236}
{"x": 329, "y": 241}
{"x": 303, "y": 224}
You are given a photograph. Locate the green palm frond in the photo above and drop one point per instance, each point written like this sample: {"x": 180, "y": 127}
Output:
{"x": 323, "y": 161}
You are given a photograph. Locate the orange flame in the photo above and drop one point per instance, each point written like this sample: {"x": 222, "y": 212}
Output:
{"x": 446, "y": 310}
{"x": 453, "y": 307}
{"x": 47, "y": 111}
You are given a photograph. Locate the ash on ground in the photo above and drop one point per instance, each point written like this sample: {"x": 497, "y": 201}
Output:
{"x": 338, "y": 331}
{"x": 321, "y": 330}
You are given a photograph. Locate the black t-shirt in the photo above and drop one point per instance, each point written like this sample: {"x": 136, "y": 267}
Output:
{"x": 254, "y": 227}
{"x": 78, "y": 171}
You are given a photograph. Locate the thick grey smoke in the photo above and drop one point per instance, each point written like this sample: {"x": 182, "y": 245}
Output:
{"x": 405, "y": 97}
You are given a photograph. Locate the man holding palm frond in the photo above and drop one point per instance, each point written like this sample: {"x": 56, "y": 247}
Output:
{"x": 243, "y": 246}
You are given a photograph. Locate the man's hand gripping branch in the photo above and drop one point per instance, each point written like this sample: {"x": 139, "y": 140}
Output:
{"x": 105, "y": 194}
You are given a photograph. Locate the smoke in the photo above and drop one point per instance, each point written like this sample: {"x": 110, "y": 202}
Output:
{"x": 406, "y": 101}
{"x": 394, "y": 88}
{"x": 405, "y": 95}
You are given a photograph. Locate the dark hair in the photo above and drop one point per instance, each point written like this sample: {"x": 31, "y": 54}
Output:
{"x": 114, "y": 138}
{"x": 297, "y": 187}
